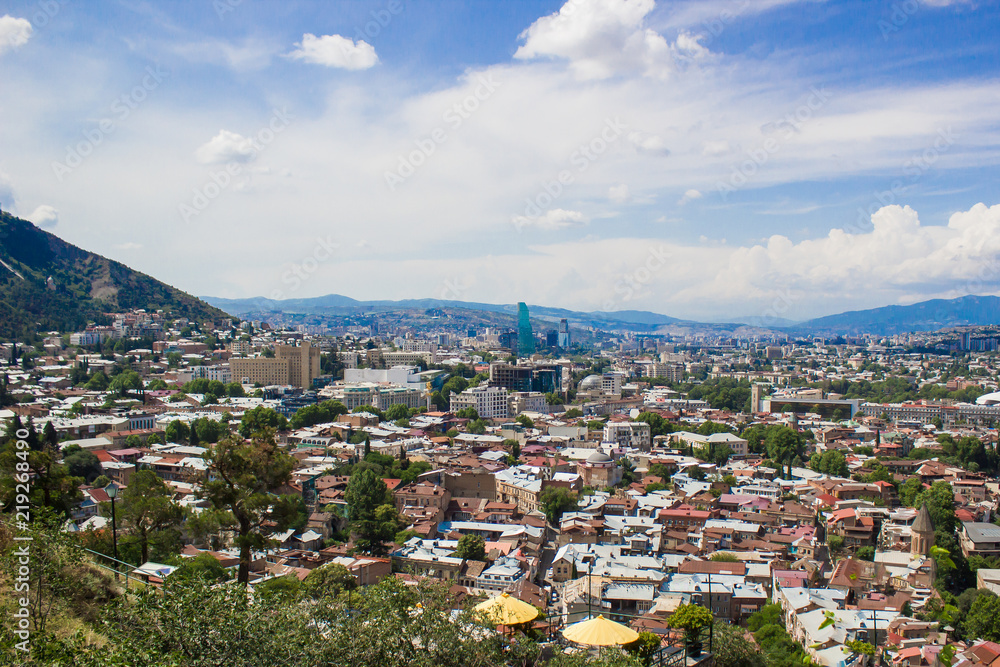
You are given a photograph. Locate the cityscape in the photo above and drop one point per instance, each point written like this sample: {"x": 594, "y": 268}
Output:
{"x": 613, "y": 333}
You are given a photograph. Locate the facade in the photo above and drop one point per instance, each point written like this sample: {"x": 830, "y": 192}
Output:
{"x": 525, "y": 337}
{"x": 672, "y": 372}
{"x": 562, "y": 336}
{"x": 527, "y": 401}
{"x": 296, "y": 365}
{"x": 489, "y": 402}
{"x": 628, "y": 434}
{"x": 543, "y": 378}
{"x": 259, "y": 370}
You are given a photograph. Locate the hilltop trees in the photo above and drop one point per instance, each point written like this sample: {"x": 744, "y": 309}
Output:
{"x": 374, "y": 519}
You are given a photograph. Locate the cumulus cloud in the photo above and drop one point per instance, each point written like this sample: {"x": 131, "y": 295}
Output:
{"x": 619, "y": 193}
{"x": 555, "y": 218}
{"x": 226, "y": 146}
{"x": 44, "y": 216}
{"x": 14, "y": 33}
{"x": 689, "y": 195}
{"x": 335, "y": 51}
{"x": 604, "y": 38}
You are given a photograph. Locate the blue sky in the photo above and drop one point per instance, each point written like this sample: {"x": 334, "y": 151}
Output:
{"x": 707, "y": 159}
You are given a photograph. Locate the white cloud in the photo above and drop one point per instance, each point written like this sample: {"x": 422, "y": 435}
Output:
{"x": 604, "y": 38}
{"x": 44, "y": 216}
{"x": 14, "y": 33}
{"x": 335, "y": 51}
{"x": 689, "y": 195}
{"x": 716, "y": 148}
{"x": 619, "y": 193}
{"x": 128, "y": 245}
{"x": 226, "y": 146}
{"x": 648, "y": 143}
{"x": 555, "y": 218}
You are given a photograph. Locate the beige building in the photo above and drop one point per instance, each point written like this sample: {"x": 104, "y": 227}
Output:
{"x": 291, "y": 364}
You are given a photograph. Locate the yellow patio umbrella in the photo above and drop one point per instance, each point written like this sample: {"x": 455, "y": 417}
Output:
{"x": 506, "y": 610}
{"x": 600, "y": 631}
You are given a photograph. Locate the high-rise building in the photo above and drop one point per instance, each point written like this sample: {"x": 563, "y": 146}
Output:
{"x": 525, "y": 337}
{"x": 563, "y": 338}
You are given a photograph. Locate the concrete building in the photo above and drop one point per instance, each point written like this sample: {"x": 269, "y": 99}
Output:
{"x": 296, "y": 365}
{"x": 489, "y": 402}
{"x": 628, "y": 434}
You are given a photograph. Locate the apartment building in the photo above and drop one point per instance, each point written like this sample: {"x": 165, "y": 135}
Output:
{"x": 489, "y": 402}
{"x": 296, "y": 365}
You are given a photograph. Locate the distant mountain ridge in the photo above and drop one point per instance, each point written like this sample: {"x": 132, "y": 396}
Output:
{"x": 930, "y": 315}
{"x": 83, "y": 285}
{"x": 887, "y": 320}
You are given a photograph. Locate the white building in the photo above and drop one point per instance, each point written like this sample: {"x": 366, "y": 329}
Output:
{"x": 489, "y": 402}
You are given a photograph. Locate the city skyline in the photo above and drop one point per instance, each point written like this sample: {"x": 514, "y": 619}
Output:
{"x": 701, "y": 160}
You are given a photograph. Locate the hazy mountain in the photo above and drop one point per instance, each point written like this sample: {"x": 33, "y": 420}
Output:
{"x": 924, "y": 316}
{"x": 83, "y": 285}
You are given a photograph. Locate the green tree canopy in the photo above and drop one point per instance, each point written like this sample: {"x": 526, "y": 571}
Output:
{"x": 243, "y": 479}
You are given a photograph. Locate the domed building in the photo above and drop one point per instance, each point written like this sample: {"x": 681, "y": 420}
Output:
{"x": 590, "y": 383}
{"x": 599, "y": 470}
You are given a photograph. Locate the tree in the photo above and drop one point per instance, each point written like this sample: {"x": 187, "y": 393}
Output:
{"x": 692, "y": 618}
{"x": 202, "y": 568}
{"x": 243, "y": 478}
{"x": 397, "y": 412}
{"x": 471, "y": 547}
{"x": 731, "y": 648}
{"x": 784, "y": 445}
{"x": 83, "y": 464}
{"x": 908, "y": 491}
{"x": 366, "y": 496}
{"x": 940, "y": 499}
{"x": 177, "y": 431}
{"x": 724, "y": 557}
{"x": 572, "y": 413}
{"x": 260, "y": 419}
{"x": 835, "y": 542}
{"x": 147, "y": 508}
{"x": 525, "y": 421}
{"x": 866, "y": 553}
{"x": 477, "y": 426}
{"x": 554, "y": 501}
{"x": 328, "y": 580}
{"x": 830, "y": 462}
{"x": 467, "y": 413}
{"x": 983, "y": 620}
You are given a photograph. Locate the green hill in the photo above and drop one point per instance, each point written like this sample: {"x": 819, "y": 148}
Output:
{"x": 84, "y": 286}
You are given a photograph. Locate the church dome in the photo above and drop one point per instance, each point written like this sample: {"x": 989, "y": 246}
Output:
{"x": 599, "y": 457}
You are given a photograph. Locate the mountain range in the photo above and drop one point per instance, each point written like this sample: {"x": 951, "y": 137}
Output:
{"x": 888, "y": 320}
{"x": 47, "y": 284}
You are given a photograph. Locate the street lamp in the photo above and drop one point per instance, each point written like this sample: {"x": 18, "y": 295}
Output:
{"x": 112, "y": 491}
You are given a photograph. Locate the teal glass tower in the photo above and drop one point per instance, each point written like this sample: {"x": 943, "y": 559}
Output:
{"x": 525, "y": 337}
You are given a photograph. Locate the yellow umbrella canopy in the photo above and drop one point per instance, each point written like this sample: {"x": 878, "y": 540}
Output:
{"x": 505, "y": 610}
{"x": 600, "y": 631}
